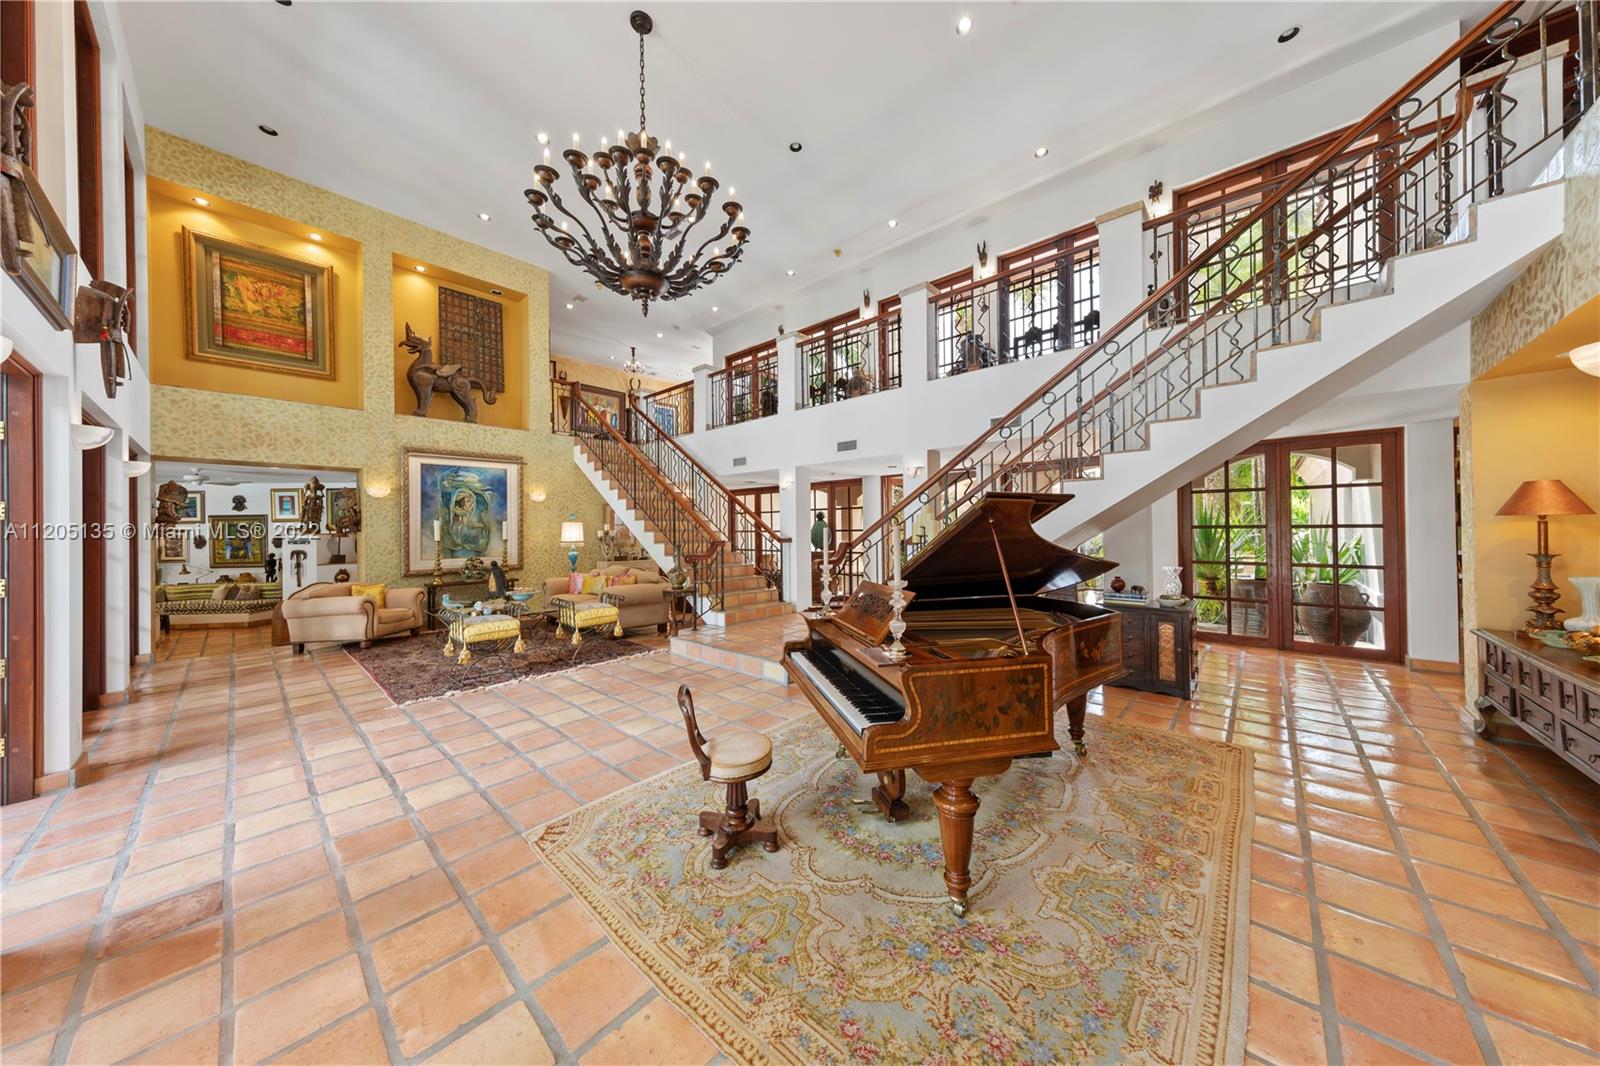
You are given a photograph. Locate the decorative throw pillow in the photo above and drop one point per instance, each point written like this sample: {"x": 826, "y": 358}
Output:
{"x": 593, "y": 583}
{"x": 630, "y": 578}
{"x": 373, "y": 592}
{"x": 220, "y": 593}
{"x": 247, "y": 590}
{"x": 574, "y": 583}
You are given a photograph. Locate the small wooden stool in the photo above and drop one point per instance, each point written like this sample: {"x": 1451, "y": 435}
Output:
{"x": 733, "y": 760}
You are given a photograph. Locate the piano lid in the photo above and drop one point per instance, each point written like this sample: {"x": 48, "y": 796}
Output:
{"x": 961, "y": 560}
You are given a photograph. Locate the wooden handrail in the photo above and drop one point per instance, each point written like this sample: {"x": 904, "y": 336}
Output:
{"x": 680, "y": 386}
{"x": 803, "y": 337}
{"x": 649, "y": 468}
{"x": 709, "y": 476}
{"x": 1336, "y": 148}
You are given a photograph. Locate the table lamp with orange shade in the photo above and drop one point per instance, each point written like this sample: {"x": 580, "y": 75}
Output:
{"x": 1542, "y": 499}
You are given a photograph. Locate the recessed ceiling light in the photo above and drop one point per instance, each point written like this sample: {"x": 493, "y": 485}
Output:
{"x": 713, "y": 308}
{"x": 569, "y": 307}
{"x": 795, "y": 146}
{"x": 963, "y": 25}
{"x": 421, "y": 269}
{"x": 483, "y": 216}
{"x": 1289, "y": 34}
{"x": 660, "y": 335}
{"x": 268, "y": 130}
{"x": 542, "y": 137}
{"x": 202, "y": 201}
{"x": 893, "y": 222}
{"x": 315, "y": 236}
{"x": 789, "y": 272}
{"x": 1040, "y": 152}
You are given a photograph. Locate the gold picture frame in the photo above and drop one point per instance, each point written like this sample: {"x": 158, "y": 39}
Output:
{"x": 46, "y": 263}
{"x": 172, "y": 544}
{"x": 494, "y": 480}
{"x": 256, "y": 308}
{"x": 285, "y": 504}
{"x": 239, "y": 540}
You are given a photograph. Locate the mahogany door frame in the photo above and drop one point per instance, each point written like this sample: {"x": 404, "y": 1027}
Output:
{"x": 86, "y": 106}
{"x": 94, "y": 576}
{"x": 22, "y": 692}
{"x": 1280, "y": 597}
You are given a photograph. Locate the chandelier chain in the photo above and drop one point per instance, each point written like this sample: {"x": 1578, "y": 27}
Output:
{"x": 641, "y": 83}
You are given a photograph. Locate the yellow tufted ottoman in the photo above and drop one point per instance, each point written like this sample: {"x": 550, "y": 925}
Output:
{"x": 471, "y": 629}
{"x": 578, "y": 616}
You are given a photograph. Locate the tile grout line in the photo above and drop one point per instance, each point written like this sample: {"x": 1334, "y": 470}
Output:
{"x": 1557, "y": 928}
{"x": 508, "y": 965}
{"x": 225, "y": 1026}
{"x": 358, "y": 942}
{"x": 1435, "y": 928}
{"x": 69, "y": 1027}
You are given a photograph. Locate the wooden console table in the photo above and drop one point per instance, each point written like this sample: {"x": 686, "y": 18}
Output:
{"x": 1552, "y": 693}
{"x": 459, "y": 589}
{"x": 1158, "y": 648}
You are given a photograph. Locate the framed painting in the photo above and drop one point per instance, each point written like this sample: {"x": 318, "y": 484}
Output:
{"x": 194, "y": 509}
{"x": 285, "y": 505}
{"x": 172, "y": 544}
{"x": 239, "y": 540}
{"x": 344, "y": 511}
{"x": 473, "y": 501}
{"x": 36, "y": 248}
{"x": 608, "y": 402}
{"x": 252, "y": 307}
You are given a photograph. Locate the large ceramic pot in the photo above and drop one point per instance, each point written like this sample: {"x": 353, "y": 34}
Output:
{"x": 1250, "y": 617}
{"x": 1317, "y": 616}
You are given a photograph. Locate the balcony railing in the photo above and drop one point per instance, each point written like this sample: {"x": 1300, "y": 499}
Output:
{"x": 745, "y": 389}
{"x": 1048, "y": 302}
{"x": 672, "y": 408}
{"x": 1467, "y": 127}
{"x": 849, "y": 359}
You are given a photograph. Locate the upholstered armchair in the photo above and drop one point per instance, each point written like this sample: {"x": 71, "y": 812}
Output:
{"x": 327, "y": 612}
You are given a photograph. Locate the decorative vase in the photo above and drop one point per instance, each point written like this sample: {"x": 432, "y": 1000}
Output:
{"x": 1589, "y": 600}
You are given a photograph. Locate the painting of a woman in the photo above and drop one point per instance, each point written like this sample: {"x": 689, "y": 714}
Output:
{"x": 475, "y": 502}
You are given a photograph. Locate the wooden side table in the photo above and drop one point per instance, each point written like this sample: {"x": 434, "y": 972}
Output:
{"x": 680, "y": 607}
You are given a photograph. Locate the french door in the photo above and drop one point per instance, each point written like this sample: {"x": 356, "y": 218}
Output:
{"x": 1297, "y": 544}
{"x": 21, "y": 567}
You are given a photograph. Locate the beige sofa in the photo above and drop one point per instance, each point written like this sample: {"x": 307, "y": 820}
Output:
{"x": 327, "y": 612}
{"x": 641, "y": 604}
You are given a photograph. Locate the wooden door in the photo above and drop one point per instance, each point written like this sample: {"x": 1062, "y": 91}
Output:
{"x": 94, "y": 578}
{"x": 21, "y": 615}
{"x": 135, "y": 565}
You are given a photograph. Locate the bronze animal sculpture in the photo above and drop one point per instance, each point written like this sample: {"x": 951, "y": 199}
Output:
{"x": 426, "y": 378}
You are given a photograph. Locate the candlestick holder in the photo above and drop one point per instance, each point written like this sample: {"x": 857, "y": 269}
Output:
{"x": 825, "y": 610}
{"x": 896, "y": 651}
{"x": 438, "y": 568}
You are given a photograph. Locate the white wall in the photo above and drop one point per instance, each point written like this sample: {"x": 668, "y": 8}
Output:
{"x": 1432, "y": 609}
{"x": 71, "y": 385}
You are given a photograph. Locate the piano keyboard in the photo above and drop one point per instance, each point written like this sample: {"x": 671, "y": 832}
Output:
{"x": 858, "y": 697}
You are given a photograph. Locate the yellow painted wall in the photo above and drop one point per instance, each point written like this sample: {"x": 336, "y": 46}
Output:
{"x": 416, "y": 301}
{"x": 195, "y": 423}
{"x": 1524, "y": 428}
{"x": 171, "y": 208}
{"x": 606, "y": 377}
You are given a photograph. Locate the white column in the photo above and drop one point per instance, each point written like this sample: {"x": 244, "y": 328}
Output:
{"x": 63, "y": 579}
{"x": 794, "y": 521}
{"x": 1122, "y": 265}
{"x": 146, "y": 564}
{"x": 788, "y": 373}
{"x": 916, "y": 334}
{"x": 871, "y": 511}
{"x": 702, "y": 397}
{"x": 119, "y": 612}
{"x": 1432, "y": 627}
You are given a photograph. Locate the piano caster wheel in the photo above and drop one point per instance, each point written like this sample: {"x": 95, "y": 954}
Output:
{"x": 1079, "y": 749}
{"x": 960, "y": 907}
{"x": 704, "y": 831}
{"x": 838, "y": 753}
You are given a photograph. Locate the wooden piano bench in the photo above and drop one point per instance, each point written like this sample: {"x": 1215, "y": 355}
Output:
{"x": 733, "y": 759}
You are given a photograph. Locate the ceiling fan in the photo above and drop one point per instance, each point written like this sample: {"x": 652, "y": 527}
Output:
{"x": 196, "y": 478}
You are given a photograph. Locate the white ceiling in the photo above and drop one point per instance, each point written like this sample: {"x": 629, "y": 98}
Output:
{"x": 429, "y": 110}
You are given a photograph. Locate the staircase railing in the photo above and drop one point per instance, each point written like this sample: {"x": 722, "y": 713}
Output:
{"x": 751, "y": 538}
{"x": 696, "y": 545}
{"x": 1465, "y": 128}
{"x": 675, "y": 401}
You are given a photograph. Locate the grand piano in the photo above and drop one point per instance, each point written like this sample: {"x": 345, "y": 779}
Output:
{"x": 991, "y": 656}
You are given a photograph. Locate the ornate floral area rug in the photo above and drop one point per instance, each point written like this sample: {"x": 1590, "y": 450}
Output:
{"x": 1107, "y": 923}
{"x": 409, "y": 669}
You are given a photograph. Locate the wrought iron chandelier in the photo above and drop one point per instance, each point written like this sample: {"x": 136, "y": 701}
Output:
{"x": 643, "y": 248}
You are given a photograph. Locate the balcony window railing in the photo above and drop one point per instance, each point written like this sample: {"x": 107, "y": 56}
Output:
{"x": 849, "y": 356}
{"x": 1044, "y": 299}
{"x": 746, "y": 388}
{"x": 672, "y": 408}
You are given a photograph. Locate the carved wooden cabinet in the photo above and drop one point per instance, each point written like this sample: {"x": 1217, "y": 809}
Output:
{"x": 1552, "y": 693}
{"x": 1158, "y": 648}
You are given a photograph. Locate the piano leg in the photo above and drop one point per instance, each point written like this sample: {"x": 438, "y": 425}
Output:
{"x": 891, "y": 786}
{"x": 957, "y": 805}
{"x": 1077, "y": 707}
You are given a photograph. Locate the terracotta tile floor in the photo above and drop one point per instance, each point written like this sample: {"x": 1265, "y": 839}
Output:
{"x": 345, "y": 881}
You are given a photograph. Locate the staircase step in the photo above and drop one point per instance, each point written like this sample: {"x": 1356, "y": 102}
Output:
{"x": 735, "y": 615}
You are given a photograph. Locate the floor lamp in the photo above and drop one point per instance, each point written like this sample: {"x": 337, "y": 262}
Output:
{"x": 1541, "y": 499}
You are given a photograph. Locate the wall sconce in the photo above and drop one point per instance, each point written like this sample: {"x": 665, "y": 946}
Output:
{"x": 88, "y": 438}
{"x": 379, "y": 489}
{"x": 536, "y": 495}
{"x": 136, "y": 467}
{"x": 786, "y": 484}
{"x": 1586, "y": 358}
{"x": 5, "y": 348}
{"x": 913, "y": 471}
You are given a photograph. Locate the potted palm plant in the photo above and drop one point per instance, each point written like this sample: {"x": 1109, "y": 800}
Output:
{"x": 1210, "y": 570}
{"x": 1325, "y": 577}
